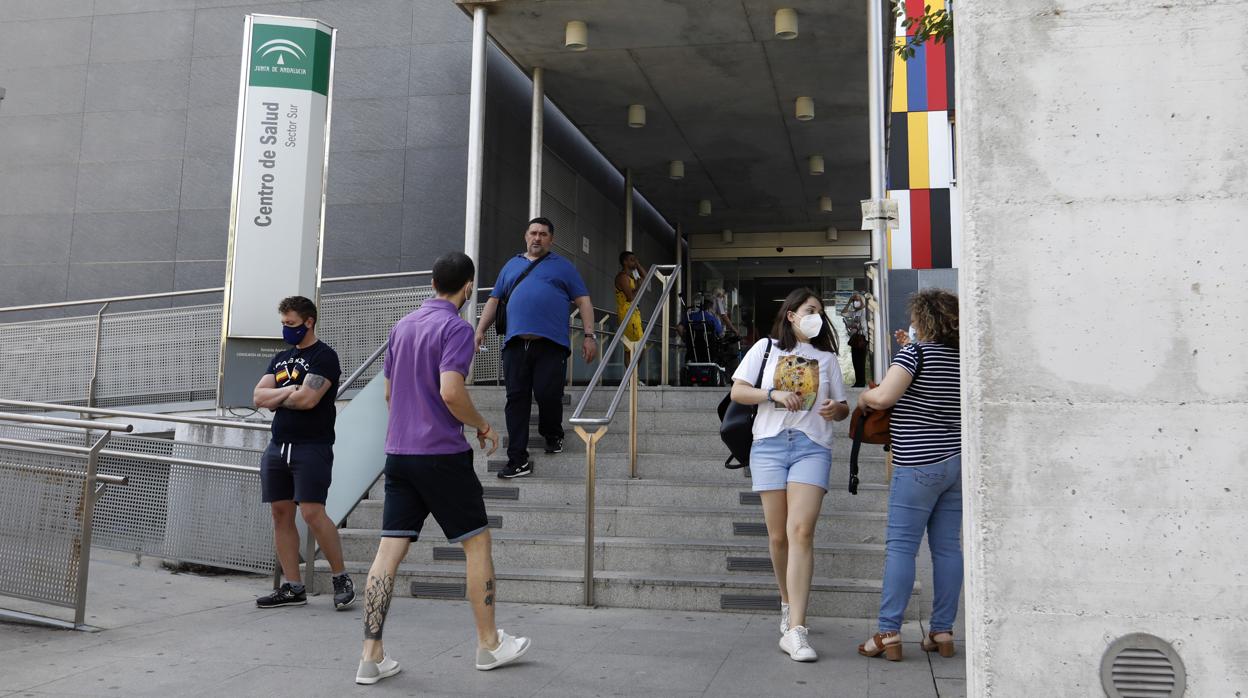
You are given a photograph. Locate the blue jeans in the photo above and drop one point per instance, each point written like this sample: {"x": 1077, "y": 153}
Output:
{"x": 927, "y": 497}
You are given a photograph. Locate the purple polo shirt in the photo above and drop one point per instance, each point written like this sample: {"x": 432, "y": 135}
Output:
{"x": 424, "y": 344}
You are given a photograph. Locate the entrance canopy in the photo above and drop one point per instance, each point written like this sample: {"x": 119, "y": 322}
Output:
{"x": 720, "y": 92}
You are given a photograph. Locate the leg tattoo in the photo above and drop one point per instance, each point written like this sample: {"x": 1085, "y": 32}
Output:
{"x": 489, "y": 592}
{"x": 377, "y": 604}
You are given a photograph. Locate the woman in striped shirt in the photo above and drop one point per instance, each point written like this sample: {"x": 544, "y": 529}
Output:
{"x": 922, "y": 387}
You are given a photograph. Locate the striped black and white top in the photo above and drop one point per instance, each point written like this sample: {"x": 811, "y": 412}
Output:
{"x": 926, "y": 424}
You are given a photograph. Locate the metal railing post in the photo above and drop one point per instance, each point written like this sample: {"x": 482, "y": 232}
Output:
{"x": 591, "y": 464}
{"x": 309, "y": 562}
{"x": 632, "y": 425}
{"x": 88, "y": 509}
{"x": 95, "y": 359}
{"x": 667, "y": 339}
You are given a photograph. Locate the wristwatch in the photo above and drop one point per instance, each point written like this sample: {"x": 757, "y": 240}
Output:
{"x": 769, "y": 392}
{"x": 590, "y": 335}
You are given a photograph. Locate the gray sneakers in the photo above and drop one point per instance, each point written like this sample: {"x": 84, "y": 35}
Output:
{"x": 370, "y": 673}
{"x": 509, "y": 650}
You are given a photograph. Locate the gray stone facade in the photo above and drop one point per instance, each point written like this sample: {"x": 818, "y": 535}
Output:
{"x": 117, "y": 139}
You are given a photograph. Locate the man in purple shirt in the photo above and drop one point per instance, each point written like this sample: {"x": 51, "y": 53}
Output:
{"x": 429, "y": 465}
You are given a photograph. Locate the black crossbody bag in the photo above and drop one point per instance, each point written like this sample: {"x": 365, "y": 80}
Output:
{"x": 500, "y": 314}
{"x": 736, "y": 422}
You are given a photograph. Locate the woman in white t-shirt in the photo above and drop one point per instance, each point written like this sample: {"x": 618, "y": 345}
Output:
{"x": 801, "y": 394}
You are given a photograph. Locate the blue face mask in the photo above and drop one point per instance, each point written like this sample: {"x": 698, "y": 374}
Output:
{"x": 294, "y": 335}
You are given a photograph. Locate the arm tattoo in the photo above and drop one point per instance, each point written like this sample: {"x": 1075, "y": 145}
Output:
{"x": 377, "y": 597}
{"x": 314, "y": 382}
{"x": 489, "y": 592}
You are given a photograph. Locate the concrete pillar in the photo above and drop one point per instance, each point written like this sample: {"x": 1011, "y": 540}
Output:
{"x": 476, "y": 153}
{"x": 1103, "y": 317}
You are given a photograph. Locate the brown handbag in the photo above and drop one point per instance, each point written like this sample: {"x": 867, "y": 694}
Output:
{"x": 872, "y": 426}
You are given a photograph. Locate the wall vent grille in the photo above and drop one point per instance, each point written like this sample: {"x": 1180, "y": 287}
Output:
{"x": 1142, "y": 666}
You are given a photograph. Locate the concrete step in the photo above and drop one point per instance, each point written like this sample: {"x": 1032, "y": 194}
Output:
{"x": 737, "y": 523}
{"x": 671, "y": 555}
{"x": 544, "y": 489}
{"x": 698, "y": 464}
{"x": 491, "y": 397}
{"x": 830, "y": 597}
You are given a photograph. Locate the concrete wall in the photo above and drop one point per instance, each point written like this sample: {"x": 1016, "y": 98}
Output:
{"x": 117, "y": 138}
{"x": 1104, "y": 306}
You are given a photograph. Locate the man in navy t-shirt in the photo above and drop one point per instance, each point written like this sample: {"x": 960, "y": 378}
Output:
{"x": 296, "y": 468}
{"x": 536, "y": 346}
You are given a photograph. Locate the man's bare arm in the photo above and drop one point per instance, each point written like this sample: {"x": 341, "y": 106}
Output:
{"x": 306, "y": 396}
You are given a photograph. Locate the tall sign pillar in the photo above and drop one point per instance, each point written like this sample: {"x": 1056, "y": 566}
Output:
{"x": 277, "y": 202}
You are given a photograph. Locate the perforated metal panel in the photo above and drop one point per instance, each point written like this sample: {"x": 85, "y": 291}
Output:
{"x": 750, "y": 499}
{"x": 181, "y": 512}
{"x": 439, "y": 590}
{"x": 749, "y": 529}
{"x": 40, "y": 526}
{"x": 171, "y": 354}
{"x": 749, "y": 564}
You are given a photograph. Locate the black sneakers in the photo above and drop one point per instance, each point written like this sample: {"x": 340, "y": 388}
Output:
{"x": 512, "y": 470}
{"x": 344, "y": 592}
{"x": 283, "y": 596}
{"x": 554, "y": 445}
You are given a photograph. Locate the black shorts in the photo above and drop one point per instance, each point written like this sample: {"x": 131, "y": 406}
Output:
{"x": 443, "y": 485}
{"x": 301, "y": 472}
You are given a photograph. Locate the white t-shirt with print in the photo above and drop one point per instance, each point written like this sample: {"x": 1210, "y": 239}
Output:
{"x": 812, "y": 371}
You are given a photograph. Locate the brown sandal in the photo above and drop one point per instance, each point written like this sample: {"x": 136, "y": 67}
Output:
{"x": 931, "y": 644}
{"x": 890, "y": 650}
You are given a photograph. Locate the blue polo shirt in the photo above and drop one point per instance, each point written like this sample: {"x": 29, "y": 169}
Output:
{"x": 539, "y": 305}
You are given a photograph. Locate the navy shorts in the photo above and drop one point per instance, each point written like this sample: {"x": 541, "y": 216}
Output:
{"x": 299, "y": 472}
{"x": 443, "y": 485}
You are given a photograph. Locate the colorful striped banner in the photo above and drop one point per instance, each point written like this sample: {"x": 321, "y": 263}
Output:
{"x": 916, "y": 131}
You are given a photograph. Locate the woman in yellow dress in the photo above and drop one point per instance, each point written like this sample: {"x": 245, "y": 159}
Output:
{"x": 626, "y": 281}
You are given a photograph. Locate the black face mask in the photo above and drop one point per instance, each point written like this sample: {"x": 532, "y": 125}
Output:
{"x": 294, "y": 335}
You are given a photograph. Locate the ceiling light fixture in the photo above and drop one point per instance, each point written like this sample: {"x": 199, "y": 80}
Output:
{"x": 676, "y": 169}
{"x": 786, "y": 23}
{"x": 805, "y": 108}
{"x": 825, "y": 204}
{"x": 704, "y": 207}
{"x": 576, "y": 36}
{"x": 636, "y": 115}
{"x": 726, "y": 236}
{"x": 831, "y": 234}
{"x": 816, "y": 164}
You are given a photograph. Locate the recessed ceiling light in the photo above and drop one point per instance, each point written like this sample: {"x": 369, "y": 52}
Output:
{"x": 786, "y": 23}
{"x": 816, "y": 164}
{"x": 636, "y": 115}
{"x": 704, "y": 207}
{"x": 825, "y": 204}
{"x": 576, "y": 36}
{"x": 676, "y": 169}
{"x": 805, "y": 108}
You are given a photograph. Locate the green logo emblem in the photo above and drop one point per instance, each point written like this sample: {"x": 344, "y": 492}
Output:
{"x": 292, "y": 57}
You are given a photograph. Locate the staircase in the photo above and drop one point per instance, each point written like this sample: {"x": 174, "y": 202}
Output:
{"x": 687, "y": 535}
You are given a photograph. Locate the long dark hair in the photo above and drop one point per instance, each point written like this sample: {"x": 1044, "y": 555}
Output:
{"x": 783, "y": 332}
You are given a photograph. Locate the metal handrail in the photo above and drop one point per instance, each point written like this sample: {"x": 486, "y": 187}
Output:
{"x": 93, "y": 485}
{"x": 59, "y": 422}
{"x": 176, "y": 419}
{"x": 355, "y": 375}
{"x": 628, "y": 380}
{"x": 198, "y": 292}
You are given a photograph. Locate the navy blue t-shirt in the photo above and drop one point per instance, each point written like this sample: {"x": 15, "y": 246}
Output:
{"x": 290, "y": 367}
{"x": 539, "y": 305}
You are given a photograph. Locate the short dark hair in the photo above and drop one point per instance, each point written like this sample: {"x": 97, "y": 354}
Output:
{"x": 783, "y": 332}
{"x": 303, "y": 307}
{"x": 625, "y": 255}
{"x": 451, "y": 271}
{"x": 542, "y": 220}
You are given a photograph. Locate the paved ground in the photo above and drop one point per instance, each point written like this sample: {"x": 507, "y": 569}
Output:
{"x": 183, "y": 634}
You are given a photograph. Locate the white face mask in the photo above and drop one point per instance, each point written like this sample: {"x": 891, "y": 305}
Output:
{"x": 810, "y": 325}
{"x": 857, "y": 304}
{"x": 914, "y": 336}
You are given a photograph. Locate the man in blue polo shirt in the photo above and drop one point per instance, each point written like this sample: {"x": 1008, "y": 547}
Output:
{"x": 535, "y": 345}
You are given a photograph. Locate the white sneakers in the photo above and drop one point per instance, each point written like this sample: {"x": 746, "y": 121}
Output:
{"x": 370, "y": 673}
{"x": 797, "y": 645}
{"x": 509, "y": 650}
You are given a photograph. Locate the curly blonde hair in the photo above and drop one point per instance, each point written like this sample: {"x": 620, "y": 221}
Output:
{"x": 934, "y": 312}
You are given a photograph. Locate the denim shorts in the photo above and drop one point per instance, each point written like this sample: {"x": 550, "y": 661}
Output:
{"x": 790, "y": 456}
